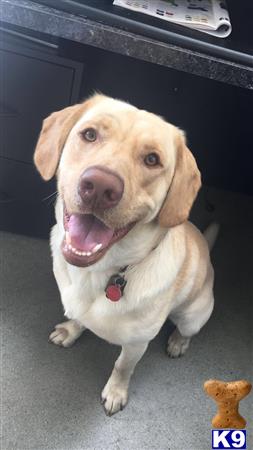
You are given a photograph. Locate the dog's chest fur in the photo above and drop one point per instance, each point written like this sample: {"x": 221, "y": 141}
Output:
{"x": 154, "y": 257}
{"x": 135, "y": 317}
{"x": 117, "y": 322}
{"x": 146, "y": 302}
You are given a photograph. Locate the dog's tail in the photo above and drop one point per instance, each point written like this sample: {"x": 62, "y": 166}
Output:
{"x": 211, "y": 234}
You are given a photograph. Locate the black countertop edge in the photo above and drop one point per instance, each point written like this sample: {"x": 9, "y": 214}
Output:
{"x": 36, "y": 17}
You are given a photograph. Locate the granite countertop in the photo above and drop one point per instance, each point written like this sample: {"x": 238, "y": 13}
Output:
{"x": 37, "y": 17}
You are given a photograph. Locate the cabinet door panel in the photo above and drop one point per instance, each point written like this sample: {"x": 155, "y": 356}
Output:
{"x": 21, "y": 181}
{"x": 24, "y": 207}
{"x": 32, "y": 89}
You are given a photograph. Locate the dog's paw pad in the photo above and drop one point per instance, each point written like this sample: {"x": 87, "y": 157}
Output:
{"x": 177, "y": 345}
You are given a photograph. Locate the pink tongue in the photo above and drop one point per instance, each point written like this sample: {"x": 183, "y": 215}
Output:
{"x": 86, "y": 231}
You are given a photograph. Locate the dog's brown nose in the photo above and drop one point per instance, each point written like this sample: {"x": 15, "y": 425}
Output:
{"x": 100, "y": 188}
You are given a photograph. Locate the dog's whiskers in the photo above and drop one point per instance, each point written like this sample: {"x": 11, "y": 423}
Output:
{"x": 52, "y": 197}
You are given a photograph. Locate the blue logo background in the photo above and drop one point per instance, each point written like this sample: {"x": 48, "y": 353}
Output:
{"x": 227, "y": 439}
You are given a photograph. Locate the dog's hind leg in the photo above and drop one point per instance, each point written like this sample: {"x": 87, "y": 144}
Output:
{"x": 189, "y": 322}
{"x": 177, "y": 344}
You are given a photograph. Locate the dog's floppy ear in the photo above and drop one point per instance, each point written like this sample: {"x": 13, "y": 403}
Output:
{"x": 54, "y": 133}
{"x": 55, "y": 130}
{"x": 183, "y": 189}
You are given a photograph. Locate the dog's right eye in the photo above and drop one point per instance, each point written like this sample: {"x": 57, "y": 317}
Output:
{"x": 89, "y": 134}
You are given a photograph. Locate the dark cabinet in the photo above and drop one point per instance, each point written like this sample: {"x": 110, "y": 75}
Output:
{"x": 34, "y": 81}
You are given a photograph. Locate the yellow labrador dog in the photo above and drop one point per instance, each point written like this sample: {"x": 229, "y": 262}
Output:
{"x": 124, "y": 255}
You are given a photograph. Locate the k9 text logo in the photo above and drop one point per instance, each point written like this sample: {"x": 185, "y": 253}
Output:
{"x": 229, "y": 439}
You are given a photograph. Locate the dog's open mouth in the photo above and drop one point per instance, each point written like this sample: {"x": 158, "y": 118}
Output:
{"x": 87, "y": 238}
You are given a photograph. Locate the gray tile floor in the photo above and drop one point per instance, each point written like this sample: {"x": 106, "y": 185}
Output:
{"x": 50, "y": 395}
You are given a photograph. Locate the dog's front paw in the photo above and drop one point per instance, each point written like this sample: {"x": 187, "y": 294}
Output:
{"x": 66, "y": 333}
{"x": 177, "y": 344}
{"x": 114, "y": 397}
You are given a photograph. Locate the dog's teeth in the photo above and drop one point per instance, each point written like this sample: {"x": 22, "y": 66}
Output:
{"x": 79, "y": 253}
{"x": 96, "y": 248}
{"x": 67, "y": 238}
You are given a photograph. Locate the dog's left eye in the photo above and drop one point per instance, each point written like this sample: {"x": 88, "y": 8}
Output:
{"x": 152, "y": 159}
{"x": 89, "y": 135}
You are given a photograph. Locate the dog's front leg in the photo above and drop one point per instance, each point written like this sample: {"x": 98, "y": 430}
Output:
{"x": 65, "y": 333}
{"x": 115, "y": 392}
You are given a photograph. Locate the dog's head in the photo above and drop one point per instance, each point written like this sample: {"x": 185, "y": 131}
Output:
{"x": 116, "y": 165}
